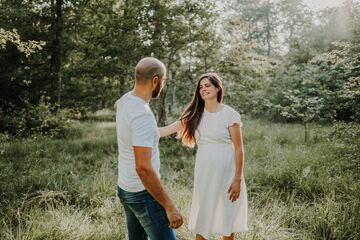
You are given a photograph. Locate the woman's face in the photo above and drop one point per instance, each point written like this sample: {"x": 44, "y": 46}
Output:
{"x": 207, "y": 90}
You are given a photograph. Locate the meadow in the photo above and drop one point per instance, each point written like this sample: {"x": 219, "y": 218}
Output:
{"x": 65, "y": 188}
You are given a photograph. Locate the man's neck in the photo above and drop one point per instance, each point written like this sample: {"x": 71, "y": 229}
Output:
{"x": 142, "y": 92}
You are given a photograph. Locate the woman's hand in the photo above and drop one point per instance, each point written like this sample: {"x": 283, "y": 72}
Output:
{"x": 234, "y": 190}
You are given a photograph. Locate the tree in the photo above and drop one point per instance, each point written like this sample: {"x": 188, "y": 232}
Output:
{"x": 244, "y": 68}
{"x": 55, "y": 61}
{"x": 105, "y": 46}
{"x": 13, "y": 37}
{"x": 183, "y": 28}
{"x": 260, "y": 23}
{"x": 31, "y": 78}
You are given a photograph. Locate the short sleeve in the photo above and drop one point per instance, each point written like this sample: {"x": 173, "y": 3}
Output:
{"x": 234, "y": 118}
{"x": 142, "y": 130}
{"x": 117, "y": 105}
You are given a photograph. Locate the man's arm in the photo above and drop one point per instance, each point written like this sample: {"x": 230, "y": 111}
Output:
{"x": 152, "y": 184}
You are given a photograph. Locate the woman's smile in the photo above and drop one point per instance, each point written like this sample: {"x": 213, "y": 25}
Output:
{"x": 207, "y": 89}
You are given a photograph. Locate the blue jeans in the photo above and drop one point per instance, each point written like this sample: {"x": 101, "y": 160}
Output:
{"x": 145, "y": 217}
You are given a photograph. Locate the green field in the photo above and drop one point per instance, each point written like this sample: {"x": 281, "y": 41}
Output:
{"x": 66, "y": 188}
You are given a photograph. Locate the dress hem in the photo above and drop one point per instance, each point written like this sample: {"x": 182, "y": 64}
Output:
{"x": 207, "y": 236}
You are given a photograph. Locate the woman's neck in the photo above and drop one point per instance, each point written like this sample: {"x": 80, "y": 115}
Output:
{"x": 212, "y": 105}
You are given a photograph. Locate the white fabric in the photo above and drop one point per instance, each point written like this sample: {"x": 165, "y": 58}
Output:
{"x": 211, "y": 210}
{"x": 135, "y": 126}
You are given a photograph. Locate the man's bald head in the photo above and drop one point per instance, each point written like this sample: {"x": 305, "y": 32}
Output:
{"x": 147, "y": 68}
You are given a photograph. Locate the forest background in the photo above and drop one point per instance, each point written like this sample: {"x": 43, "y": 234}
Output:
{"x": 292, "y": 71}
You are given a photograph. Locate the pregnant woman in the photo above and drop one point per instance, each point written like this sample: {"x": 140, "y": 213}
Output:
{"x": 219, "y": 201}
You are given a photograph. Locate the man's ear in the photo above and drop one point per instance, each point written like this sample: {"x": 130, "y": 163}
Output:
{"x": 154, "y": 80}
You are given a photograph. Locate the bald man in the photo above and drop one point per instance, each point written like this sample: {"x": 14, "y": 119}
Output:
{"x": 149, "y": 211}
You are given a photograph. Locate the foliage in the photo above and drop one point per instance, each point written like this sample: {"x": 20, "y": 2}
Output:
{"x": 43, "y": 119}
{"x": 347, "y": 135}
{"x": 276, "y": 58}
{"x": 318, "y": 79}
{"x": 24, "y": 47}
{"x": 65, "y": 188}
{"x": 322, "y": 89}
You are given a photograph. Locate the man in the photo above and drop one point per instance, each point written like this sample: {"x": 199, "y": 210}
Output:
{"x": 149, "y": 210}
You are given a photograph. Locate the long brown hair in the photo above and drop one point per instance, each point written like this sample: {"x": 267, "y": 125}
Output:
{"x": 191, "y": 117}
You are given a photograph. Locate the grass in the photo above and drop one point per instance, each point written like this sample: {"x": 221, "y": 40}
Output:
{"x": 66, "y": 188}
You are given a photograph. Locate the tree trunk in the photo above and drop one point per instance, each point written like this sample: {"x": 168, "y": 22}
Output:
{"x": 122, "y": 85}
{"x": 173, "y": 91}
{"x": 307, "y": 132}
{"x": 125, "y": 30}
{"x": 268, "y": 28}
{"x": 55, "y": 66}
{"x": 205, "y": 63}
{"x": 161, "y": 111}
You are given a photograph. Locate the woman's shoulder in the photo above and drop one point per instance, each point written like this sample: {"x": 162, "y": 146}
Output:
{"x": 230, "y": 109}
{"x": 232, "y": 116}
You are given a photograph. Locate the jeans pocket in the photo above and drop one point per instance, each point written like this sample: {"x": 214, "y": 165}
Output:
{"x": 157, "y": 212}
{"x": 141, "y": 212}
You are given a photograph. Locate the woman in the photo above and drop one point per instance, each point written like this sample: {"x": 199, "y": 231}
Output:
{"x": 219, "y": 201}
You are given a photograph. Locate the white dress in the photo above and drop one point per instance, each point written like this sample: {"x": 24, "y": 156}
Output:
{"x": 211, "y": 210}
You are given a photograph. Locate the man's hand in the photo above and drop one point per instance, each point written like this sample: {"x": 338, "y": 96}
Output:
{"x": 175, "y": 218}
{"x": 152, "y": 184}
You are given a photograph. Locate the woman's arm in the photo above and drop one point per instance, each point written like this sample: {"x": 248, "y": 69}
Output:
{"x": 234, "y": 189}
{"x": 170, "y": 129}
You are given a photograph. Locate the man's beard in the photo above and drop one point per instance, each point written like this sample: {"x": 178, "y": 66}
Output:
{"x": 157, "y": 91}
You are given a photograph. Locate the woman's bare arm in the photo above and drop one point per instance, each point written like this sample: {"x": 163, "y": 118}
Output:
{"x": 234, "y": 189}
{"x": 170, "y": 129}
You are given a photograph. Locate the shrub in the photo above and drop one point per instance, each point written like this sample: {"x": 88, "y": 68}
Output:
{"x": 42, "y": 118}
{"x": 347, "y": 136}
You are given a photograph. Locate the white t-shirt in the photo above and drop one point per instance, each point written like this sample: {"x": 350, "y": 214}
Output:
{"x": 135, "y": 126}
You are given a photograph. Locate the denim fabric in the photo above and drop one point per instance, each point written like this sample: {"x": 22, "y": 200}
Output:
{"x": 145, "y": 217}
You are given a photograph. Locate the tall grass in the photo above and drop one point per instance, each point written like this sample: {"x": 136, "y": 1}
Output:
{"x": 66, "y": 188}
